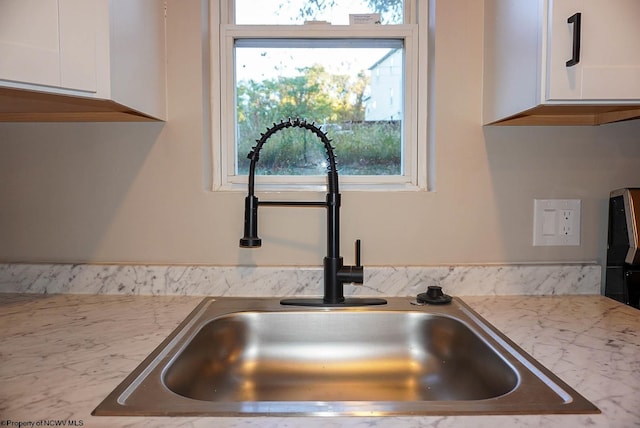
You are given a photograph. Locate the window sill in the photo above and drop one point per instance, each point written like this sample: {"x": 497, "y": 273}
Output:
{"x": 345, "y": 186}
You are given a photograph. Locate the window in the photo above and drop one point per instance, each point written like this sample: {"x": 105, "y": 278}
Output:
{"x": 279, "y": 59}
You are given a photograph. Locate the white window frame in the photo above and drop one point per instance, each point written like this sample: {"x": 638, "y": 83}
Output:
{"x": 415, "y": 138}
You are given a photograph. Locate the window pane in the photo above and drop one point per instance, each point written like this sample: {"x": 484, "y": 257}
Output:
{"x": 296, "y": 12}
{"x": 355, "y": 94}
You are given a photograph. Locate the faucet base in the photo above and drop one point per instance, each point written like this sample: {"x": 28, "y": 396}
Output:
{"x": 319, "y": 301}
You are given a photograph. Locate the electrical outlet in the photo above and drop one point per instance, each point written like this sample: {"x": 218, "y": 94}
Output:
{"x": 566, "y": 222}
{"x": 556, "y": 222}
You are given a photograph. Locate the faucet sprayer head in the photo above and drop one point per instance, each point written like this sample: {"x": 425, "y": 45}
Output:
{"x": 250, "y": 242}
{"x": 250, "y": 238}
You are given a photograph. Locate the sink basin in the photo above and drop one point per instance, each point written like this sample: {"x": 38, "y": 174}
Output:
{"x": 240, "y": 356}
{"x": 343, "y": 356}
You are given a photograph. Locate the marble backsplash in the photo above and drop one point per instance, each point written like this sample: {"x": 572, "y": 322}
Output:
{"x": 463, "y": 280}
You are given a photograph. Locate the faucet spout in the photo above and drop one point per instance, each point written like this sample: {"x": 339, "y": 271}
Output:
{"x": 336, "y": 274}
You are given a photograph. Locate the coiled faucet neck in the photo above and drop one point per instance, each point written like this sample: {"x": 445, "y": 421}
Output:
{"x": 335, "y": 273}
{"x": 254, "y": 154}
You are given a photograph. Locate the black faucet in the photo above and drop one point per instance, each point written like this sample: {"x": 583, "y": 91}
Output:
{"x": 335, "y": 273}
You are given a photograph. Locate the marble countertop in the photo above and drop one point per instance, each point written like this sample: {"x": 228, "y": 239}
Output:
{"x": 60, "y": 355}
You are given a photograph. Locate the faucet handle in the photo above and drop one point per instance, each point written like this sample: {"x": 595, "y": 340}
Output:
{"x": 352, "y": 274}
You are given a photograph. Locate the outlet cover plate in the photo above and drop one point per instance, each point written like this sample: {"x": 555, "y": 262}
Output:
{"x": 556, "y": 222}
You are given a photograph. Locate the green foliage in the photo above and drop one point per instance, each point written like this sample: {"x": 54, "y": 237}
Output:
{"x": 369, "y": 148}
{"x": 333, "y": 101}
{"x": 363, "y": 148}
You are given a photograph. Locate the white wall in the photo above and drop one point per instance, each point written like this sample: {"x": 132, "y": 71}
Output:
{"x": 136, "y": 192}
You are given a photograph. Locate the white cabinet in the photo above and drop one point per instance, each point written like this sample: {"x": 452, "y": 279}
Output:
{"x": 609, "y": 60}
{"x": 49, "y": 43}
{"x": 82, "y": 60}
{"x": 561, "y": 61}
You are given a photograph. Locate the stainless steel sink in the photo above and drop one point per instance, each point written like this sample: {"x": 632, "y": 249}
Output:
{"x": 240, "y": 356}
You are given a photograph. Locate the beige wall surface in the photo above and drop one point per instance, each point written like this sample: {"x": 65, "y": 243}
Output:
{"x": 138, "y": 192}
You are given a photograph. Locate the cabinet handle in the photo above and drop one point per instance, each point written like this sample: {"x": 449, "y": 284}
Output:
{"x": 575, "y": 56}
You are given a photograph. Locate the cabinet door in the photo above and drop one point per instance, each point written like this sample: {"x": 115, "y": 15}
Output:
{"x": 79, "y": 23}
{"x": 29, "y": 46}
{"x": 609, "y": 62}
{"x": 50, "y": 43}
